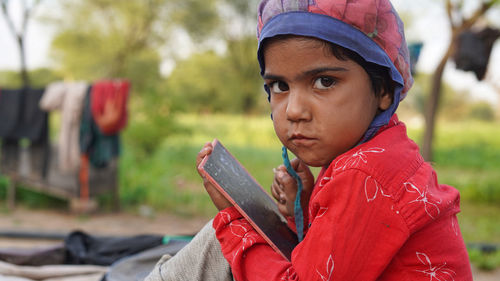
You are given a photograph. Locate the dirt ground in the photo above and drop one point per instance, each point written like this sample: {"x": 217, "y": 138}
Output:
{"x": 119, "y": 224}
{"x": 108, "y": 224}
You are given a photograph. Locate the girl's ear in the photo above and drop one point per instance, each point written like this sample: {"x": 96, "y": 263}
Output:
{"x": 385, "y": 101}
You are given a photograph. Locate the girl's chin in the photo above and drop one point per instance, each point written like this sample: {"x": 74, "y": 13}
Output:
{"x": 313, "y": 161}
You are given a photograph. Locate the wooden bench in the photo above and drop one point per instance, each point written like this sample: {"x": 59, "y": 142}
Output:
{"x": 24, "y": 165}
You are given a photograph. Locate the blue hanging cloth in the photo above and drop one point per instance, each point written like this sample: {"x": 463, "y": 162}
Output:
{"x": 297, "y": 210}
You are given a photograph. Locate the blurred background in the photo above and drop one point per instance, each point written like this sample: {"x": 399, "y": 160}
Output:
{"x": 194, "y": 77}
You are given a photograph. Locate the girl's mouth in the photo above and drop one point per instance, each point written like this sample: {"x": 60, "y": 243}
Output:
{"x": 301, "y": 140}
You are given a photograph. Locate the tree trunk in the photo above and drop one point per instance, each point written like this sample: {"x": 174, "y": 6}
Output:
{"x": 24, "y": 69}
{"x": 433, "y": 100}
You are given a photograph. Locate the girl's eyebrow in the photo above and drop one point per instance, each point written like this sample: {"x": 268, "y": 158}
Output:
{"x": 323, "y": 69}
{"x": 270, "y": 76}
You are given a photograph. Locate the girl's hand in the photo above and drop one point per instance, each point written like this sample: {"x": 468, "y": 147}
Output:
{"x": 284, "y": 188}
{"x": 217, "y": 198}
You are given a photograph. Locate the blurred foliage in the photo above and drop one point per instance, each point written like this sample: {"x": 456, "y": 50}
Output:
{"x": 454, "y": 106}
{"x": 39, "y": 78}
{"x": 198, "y": 18}
{"x": 4, "y": 182}
{"x": 467, "y": 156}
{"x": 150, "y": 122}
{"x": 485, "y": 261}
{"x": 208, "y": 82}
{"x": 482, "y": 111}
{"x": 168, "y": 180}
{"x": 108, "y": 39}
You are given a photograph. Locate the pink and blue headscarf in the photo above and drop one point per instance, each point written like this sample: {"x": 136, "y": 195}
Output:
{"x": 371, "y": 28}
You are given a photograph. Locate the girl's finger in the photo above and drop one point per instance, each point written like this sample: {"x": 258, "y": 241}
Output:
{"x": 274, "y": 192}
{"x": 283, "y": 210}
{"x": 205, "y": 150}
{"x": 278, "y": 193}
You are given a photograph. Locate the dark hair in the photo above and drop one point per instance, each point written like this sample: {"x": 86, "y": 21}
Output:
{"x": 379, "y": 76}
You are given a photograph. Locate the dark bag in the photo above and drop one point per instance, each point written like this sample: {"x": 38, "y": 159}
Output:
{"x": 82, "y": 248}
{"x": 474, "y": 49}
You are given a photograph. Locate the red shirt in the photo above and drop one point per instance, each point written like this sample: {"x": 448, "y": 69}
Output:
{"x": 109, "y": 105}
{"x": 376, "y": 213}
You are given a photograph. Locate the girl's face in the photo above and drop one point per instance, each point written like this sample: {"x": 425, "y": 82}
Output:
{"x": 321, "y": 105}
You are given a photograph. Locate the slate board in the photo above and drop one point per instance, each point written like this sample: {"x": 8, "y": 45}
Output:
{"x": 257, "y": 206}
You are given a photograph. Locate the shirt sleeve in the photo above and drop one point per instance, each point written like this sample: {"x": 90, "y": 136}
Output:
{"x": 355, "y": 231}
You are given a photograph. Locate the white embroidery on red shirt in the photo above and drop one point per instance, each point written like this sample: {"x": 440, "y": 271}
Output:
{"x": 438, "y": 272}
{"x": 225, "y": 217}
{"x": 238, "y": 228}
{"x": 287, "y": 275}
{"x": 241, "y": 229}
{"x": 423, "y": 197}
{"x": 324, "y": 181}
{"x": 454, "y": 225}
{"x": 248, "y": 240}
{"x": 329, "y": 270}
{"x": 372, "y": 188}
{"x": 353, "y": 160}
{"x": 321, "y": 212}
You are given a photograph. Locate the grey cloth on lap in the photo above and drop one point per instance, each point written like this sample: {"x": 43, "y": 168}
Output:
{"x": 201, "y": 260}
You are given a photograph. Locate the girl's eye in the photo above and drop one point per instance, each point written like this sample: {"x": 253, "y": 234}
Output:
{"x": 279, "y": 87}
{"x": 324, "y": 83}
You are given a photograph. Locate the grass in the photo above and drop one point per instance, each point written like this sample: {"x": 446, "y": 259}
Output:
{"x": 168, "y": 180}
{"x": 467, "y": 156}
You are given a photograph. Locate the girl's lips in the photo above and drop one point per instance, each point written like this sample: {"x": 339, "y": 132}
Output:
{"x": 301, "y": 140}
{"x": 299, "y": 136}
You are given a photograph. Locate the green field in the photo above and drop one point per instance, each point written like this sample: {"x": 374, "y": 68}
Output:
{"x": 168, "y": 180}
{"x": 467, "y": 156}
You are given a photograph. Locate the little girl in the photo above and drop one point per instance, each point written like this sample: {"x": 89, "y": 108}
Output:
{"x": 335, "y": 72}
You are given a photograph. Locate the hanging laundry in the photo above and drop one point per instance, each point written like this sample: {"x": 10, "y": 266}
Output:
{"x": 68, "y": 98}
{"x": 109, "y": 105}
{"x": 22, "y": 119}
{"x": 20, "y": 115}
{"x": 414, "y": 48}
{"x": 99, "y": 148}
{"x": 474, "y": 49}
{"x": 10, "y": 105}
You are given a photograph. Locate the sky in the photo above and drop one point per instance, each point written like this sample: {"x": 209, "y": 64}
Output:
{"x": 430, "y": 27}
{"x": 37, "y": 40}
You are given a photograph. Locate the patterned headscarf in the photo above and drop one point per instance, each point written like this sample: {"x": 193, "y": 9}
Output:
{"x": 371, "y": 28}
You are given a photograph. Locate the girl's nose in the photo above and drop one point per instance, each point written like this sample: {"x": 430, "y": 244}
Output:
{"x": 297, "y": 108}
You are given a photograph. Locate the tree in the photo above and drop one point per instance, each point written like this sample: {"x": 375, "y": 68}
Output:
{"x": 20, "y": 32}
{"x": 105, "y": 38}
{"x": 209, "y": 82}
{"x": 244, "y": 72}
{"x": 458, "y": 23}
